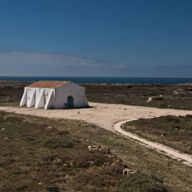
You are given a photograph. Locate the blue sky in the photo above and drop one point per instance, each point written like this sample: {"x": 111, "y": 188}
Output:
{"x": 130, "y": 38}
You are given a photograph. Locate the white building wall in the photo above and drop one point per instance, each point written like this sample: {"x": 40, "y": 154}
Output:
{"x": 70, "y": 89}
{"x": 79, "y": 96}
{"x": 58, "y": 99}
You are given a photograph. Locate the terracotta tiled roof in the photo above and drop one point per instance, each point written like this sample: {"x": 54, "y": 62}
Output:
{"x": 48, "y": 84}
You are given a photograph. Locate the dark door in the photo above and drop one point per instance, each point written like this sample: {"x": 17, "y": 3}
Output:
{"x": 70, "y": 102}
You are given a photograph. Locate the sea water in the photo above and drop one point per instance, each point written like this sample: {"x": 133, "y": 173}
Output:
{"x": 123, "y": 80}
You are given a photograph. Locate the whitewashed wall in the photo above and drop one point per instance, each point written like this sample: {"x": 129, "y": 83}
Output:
{"x": 59, "y": 98}
{"x": 70, "y": 89}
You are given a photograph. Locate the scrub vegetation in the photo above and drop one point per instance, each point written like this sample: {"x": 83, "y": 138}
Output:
{"x": 11, "y": 92}
{"x": 36, "y": 156}
{"x": 172, "y": 131}
{"x": 40, "y": 154}
{"x": 162, "y": 96}
{"x": 144, "y": 183}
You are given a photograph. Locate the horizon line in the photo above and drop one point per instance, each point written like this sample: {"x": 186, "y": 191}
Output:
{"x": 89, "y": 76}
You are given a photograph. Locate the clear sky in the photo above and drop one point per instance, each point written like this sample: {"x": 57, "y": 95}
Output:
{"x": 130, "y": 38}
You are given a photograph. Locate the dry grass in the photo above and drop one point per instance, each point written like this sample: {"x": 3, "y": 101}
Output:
{"x": 137, "y": 157}
{"x": 39, "y": 154}
{"x": 37, "y": 157}
{"x": 172, "y": 131}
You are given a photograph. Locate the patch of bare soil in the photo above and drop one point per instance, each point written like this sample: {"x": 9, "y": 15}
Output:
{"x": 104, "y": 115}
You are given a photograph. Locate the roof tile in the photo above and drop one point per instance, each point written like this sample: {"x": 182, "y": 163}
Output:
{"x": 48, "y": 84}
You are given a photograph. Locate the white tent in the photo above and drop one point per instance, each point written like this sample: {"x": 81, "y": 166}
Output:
{"x": 54, "y": 94}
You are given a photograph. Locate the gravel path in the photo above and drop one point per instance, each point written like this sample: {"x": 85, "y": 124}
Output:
{"x": 106, "y": 116}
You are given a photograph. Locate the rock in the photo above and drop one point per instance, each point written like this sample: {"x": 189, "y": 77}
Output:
{"x": 175, "y": 93}
{"x": 58, "y": 161}
{"x": 94, "y": 148}
{"x": 149, "y": 100}
{"x": 72, "y": 164}
{"x": 89, "y": 147}
{"x": 91, "y": 163}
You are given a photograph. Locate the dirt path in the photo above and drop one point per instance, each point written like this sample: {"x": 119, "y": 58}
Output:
{"x": 174, "y": 154}
{"x": 103, "y": 115}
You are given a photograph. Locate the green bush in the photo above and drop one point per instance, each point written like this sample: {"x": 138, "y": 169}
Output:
{"x": 3, "y": 113}
{"x": 139, "y": 182}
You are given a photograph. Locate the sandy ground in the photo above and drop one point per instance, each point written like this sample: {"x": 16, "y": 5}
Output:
{"x": 110, "y": 117}
{"x": 104, "y": 115}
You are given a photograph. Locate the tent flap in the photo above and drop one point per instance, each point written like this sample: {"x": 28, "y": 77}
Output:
{"x": 49, "y": 102}
{"x": 24, "y": 99}
{"x": 40, "y": 100}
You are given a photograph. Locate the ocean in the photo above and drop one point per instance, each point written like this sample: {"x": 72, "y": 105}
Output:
{"x": 123, "y": 80}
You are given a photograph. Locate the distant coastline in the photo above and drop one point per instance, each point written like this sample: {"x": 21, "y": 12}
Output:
{"x": 110, "y": 80}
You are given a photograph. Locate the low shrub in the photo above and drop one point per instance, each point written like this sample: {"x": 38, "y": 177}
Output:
{"x": 3, "y": 113}
{"x": 84, "y": 158}
{"x": 113, "y": 169}
{"x": 93, "y": 178}
{"x": 14, "y": 119}
{"x": 58, "y": 142}
{"x": 139, "y": 182}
